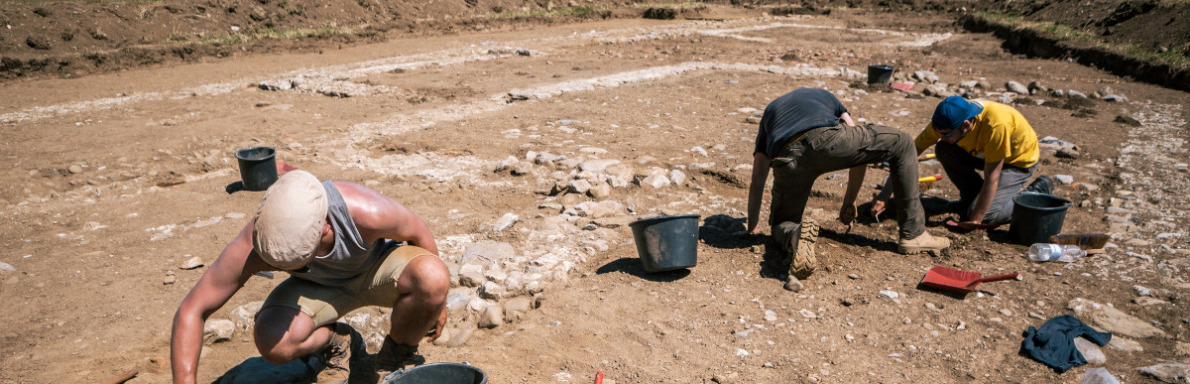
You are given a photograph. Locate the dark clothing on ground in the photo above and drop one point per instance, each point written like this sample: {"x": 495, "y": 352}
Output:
{"x": 1053, "y": 344}
{"x": 828, "y": 149}
{"x": 961, "y": 167}
{"x": 793, "y": 113}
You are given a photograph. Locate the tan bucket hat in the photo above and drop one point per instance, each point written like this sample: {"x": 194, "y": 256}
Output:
{"x": 290, "y": 220}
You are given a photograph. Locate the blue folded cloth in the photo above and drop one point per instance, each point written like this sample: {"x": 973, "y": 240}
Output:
{"x": 1053, "y": 344}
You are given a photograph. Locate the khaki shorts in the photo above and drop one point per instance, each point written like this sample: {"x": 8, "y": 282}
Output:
{"x": 325, "y": 304}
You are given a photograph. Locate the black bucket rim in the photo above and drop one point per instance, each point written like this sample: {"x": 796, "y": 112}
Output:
{"x": 482, "y": 374}
{"x": 884, "y": 67}
{"x": 271, "y": 152}
{"x": 1065, "y": 202}
{"x": 660, "y": 218}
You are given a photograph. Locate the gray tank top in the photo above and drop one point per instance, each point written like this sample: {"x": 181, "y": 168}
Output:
{"x": 350, "y": 256}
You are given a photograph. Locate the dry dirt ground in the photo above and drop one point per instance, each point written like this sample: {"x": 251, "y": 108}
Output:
{"x": 112, "y": 181}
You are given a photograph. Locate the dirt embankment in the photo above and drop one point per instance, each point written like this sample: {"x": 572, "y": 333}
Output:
{"x": 70, "y": 39}
{"x": 1145, "y": 39}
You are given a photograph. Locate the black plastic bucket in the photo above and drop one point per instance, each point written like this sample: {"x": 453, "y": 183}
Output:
{"x": 441, "y": 373}
{"x": 666, "y": 243}
{"x": 1036, "y": 217}
{"x": 880, "y": 74}
{"x": 258, "y": 167}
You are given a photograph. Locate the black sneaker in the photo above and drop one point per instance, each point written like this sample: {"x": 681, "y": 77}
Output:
{"x": 1044, "y": 184}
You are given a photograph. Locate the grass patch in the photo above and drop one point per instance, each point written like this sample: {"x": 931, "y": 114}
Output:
{"x": 51, "y": 2}
{"x": 674, "y": 6}
{"x": 273, "y": 34}
{"x": 1064, "y": 32}
{"x": 536, "y": 13}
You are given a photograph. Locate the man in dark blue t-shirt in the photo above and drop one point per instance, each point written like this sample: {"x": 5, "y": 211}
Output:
{"x": 807, "y": 133}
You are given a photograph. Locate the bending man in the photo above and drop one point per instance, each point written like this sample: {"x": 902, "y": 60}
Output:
{"x": 339, "y": 242}
{"x": 807, "y": 133}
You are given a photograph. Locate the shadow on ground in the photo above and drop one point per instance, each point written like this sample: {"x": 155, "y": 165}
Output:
{"x": 301, "y": 371}
{"x": 633, "y": 266}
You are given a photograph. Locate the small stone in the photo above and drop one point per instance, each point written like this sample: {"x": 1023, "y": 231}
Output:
{"x": 600, "y": 191}
{"x": 471, "y": 275}
{"x": 1035, "y": 87}
{"x": 504, "y": 222}
{"x": 216, "y": 331}
{"x": 656, "y": 181}
{"x": 1168, "y": 372}
{"x": 1016, "y": 87}
{"x": 579, "y": 186}
{"x": 5, "y": 267}
{"x": 806, "y": 313}
{"x": 169, "y": 280}
{"x": 515, "y": 308}
{"x": 444, "y": 338}
{"x": 460, "y": 337}
{"x": 492, "y": 317}
{"x": 1123, "y": 344}
{"x": 853, "y": 276}
{"x": 677, "y": 177}
{"x": 890, "y": 294}
{"x": 491, "y": 290}
{"x": 1142, "y": 291}
{"x": 192, "y": 263}
{"x": 793, "y": 285}
{"x": 1090, "y": 351}
{"x": 770, "y": 316}
{"x": 1076, "y": 94}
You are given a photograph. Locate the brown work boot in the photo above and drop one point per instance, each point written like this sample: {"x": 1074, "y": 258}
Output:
{"x": 345, "y": 344}
{"x": 804, "y": 263}
{"x": 923, "y": 243}
{"x": 395, "y": 357}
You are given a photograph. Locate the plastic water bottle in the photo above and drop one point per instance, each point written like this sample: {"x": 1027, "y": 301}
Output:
{"x": 1043, "y": 252}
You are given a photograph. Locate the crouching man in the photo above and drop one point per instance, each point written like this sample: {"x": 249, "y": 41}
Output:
{"x": 340, "y": 243}
{"x": 807, "y": 133}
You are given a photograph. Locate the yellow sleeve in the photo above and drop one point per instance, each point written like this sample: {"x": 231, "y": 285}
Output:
{"x": 926, "y": 138}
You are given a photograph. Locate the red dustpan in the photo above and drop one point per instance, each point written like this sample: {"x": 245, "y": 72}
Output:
{"x": 958, "y": 281}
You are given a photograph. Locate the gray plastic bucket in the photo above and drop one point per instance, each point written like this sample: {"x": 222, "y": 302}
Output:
{"x": 440, "y": 373}
{"x": 1036, "y": 217}
{"x": 666, "y": 243}
{"x": 258, "y": 167}
{"x": 880, "y": 74}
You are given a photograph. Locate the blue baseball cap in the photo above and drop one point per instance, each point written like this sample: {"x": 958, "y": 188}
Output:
{"x": 953, "y": 111}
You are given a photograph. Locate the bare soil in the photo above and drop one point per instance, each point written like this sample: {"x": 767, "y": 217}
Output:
{"x": 112, "y": 180}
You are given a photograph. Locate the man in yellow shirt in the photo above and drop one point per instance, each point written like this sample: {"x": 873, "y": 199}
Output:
{"x": 989, "y": 136}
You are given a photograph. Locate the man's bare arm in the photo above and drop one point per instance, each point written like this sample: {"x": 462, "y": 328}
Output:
{"x": 224, "y": 277}
{"x": 760, "y": 175}
{"x": 378, "y": 216}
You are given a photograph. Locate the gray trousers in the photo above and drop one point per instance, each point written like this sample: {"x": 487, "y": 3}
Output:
{"x": 829, "y": 149}
{"x": 962, "y": 168}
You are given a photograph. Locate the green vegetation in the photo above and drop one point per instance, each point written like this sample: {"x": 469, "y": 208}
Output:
{"x": 271, "y": 33}
{"x": 1066, "y": 33}
{"x": 51, "y": 2}
{"x": 533, "y": 13}
{"x": 674, "y": 6}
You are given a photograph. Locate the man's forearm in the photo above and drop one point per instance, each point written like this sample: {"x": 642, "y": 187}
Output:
{"x": 760, "y": 175}
{"x": 185, "y": 347}
{"x": 855, "y": 179}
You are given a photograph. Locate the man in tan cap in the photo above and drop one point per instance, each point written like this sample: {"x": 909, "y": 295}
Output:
{"x": 340, "y": 243}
